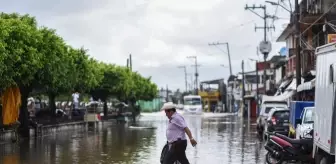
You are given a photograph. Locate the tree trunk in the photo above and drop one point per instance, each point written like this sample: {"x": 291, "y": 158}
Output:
{"x": 134, "y": 110}
{"x": 24, "y": 116}
{"x": 52, "y": 104}
{"x": 105, "y": 109}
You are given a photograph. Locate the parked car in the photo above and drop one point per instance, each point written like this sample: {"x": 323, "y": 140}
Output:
{"x": 264, "y": 112}
{"x": 305, "y": 123}
{"x": 278, "y": 121}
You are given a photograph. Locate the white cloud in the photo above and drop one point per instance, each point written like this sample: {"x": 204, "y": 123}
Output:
{"x": 159, "y": 34}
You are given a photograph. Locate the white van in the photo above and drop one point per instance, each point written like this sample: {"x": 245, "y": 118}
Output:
{"x": 192, "y": 104}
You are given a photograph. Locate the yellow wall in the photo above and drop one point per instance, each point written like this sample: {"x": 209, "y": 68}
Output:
{"x": 208, "y": 94}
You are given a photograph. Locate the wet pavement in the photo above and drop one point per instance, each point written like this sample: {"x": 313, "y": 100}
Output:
{"x": 221, "y": 140}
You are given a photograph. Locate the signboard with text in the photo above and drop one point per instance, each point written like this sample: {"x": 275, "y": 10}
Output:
{"x": 331, "y": 38}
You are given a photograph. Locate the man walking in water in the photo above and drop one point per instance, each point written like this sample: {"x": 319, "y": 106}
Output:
{"x": 177, "y": 128}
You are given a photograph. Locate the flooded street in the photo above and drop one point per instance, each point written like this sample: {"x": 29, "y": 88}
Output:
{"x": 221, "y": 139}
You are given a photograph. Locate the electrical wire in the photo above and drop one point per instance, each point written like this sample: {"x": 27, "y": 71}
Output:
{"x": 313, "y": 39}
{"x": 332, "y": 26}
{"x": 316, "y": 23}
{"x": 272, "y": 24}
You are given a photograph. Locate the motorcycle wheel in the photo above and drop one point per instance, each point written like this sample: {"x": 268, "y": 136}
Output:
{"x": 269, "y": 159}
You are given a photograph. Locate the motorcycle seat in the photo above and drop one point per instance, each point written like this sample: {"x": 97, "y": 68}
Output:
{"x": 295, "y": 141}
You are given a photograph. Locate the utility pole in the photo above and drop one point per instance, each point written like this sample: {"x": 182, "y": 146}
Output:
{"x": 243, "y": 80}
{"x": 228, "y": 52}
{"x": 230, "y": 66}
{"x": 243, "y": 88}
{"x": 196, "y": 72}
{"x": 191, "y": 81}
{"x": 257, "y": 78}
{"x": 167, "y": 93}
{"x": 298, "y": 48}
{"x": 185, "y": 77}
{"x": 127, "y": 64}
{"x": 257, "y": 81}
{"x": 130, "y": 62}
{"x": 265, "y": 46}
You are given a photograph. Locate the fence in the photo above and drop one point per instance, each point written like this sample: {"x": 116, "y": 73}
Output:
{"x": 150, "y": 106}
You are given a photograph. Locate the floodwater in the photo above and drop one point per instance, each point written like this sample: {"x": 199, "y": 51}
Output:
{"x": 221, "y": 140}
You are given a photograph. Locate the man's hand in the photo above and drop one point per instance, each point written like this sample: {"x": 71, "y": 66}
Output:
{"x": 193, "y": 142}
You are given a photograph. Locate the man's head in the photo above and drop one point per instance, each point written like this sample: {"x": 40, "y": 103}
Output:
{"x": 169, "y": 109}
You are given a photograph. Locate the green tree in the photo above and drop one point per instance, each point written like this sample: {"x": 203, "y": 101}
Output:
{"x": 20, "y": 47}
{"x": 115, "y": 83}
{"x": 52, "y": 78}
{"x": 37, "y": 58}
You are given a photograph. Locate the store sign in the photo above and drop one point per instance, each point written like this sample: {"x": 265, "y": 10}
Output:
{"x": 331, "y": 38}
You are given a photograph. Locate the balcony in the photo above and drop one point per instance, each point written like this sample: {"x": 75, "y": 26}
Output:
{"x": 291, "y": 52}
{"x": 291, "y": 65}
{"x": 310, "y": 10}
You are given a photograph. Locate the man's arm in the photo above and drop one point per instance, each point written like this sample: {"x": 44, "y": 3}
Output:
{"x": 188, "y": 132}
{"x": 180, "y": 122}
{"x": 192, "y": 140}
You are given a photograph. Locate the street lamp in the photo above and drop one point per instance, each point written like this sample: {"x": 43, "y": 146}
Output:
{"x": 277, "y": 4}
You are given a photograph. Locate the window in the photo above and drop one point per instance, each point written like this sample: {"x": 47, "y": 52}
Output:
{"x": 281, "y": 115}
{"x": 309, "y": 116}
{"x": 192, "y": 101}
{"x": 267, "y": 109}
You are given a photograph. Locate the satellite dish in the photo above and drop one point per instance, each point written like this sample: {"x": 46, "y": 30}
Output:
{"x": 284, "y": 51}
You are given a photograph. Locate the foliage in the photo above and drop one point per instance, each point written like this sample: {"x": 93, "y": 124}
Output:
{"x": 34, "y": 57}
{"x": 19, "y": 48}
{"x": 123, "y": 84}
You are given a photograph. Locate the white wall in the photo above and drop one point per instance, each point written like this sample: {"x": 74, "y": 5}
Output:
{"x": 278, "y": 73}
{"x": 290, "y": 42}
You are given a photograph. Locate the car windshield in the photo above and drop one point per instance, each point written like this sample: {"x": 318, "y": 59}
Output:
{"x": 309, "y": 116}
{"x": 281, "y": 114}
{"x": 192, "y": 101}
{"x": 268, "y": 109}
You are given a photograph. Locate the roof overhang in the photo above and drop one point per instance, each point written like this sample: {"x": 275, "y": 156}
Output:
{"x": 216, "y": 81}
{"x": 285, "y": 33}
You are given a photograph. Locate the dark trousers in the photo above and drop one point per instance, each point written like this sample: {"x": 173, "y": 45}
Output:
{"x": 177, "y": 153}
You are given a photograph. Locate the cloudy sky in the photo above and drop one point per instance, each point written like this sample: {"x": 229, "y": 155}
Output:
{"x": 160, "y": 34}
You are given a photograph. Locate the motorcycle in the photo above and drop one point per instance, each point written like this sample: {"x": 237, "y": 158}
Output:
{"x": 281, "y": 148}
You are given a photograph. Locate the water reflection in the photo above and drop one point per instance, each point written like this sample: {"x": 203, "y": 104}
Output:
{"x": 229, "y": 140}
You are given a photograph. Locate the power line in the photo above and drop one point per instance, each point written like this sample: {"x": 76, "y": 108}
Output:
{"x": 228, "y": 52}
{"x": 265, "y": 17}
{"x": 185, "y": 77}
{"x": 265, "y": 28}
{"x": 196, "y": 72}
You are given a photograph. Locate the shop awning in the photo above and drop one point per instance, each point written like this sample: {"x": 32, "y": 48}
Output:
{"x": 281, "y": 86}
{"x": 306, "y": 86}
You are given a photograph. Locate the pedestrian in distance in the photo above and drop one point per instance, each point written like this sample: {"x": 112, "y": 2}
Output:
{"x": 176, "y": 136}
